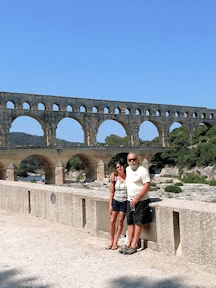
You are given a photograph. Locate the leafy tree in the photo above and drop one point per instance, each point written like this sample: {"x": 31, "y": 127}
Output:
{"x": 150, "y": 143}
{"x": 22, "y": 171}
{"x": 211, "y": 132}
{"x": 74, "y": 163}
{"x": 114, "y": 140}
{"x": 29, "y": 164}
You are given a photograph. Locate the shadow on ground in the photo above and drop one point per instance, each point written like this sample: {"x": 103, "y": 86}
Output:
{"x": 12, "y": 278}
{"x": 153, "y": 200}
{"x": 146, "y": 282}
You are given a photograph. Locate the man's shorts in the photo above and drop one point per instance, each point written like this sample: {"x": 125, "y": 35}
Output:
{"x": 141, "y": 215}
{"x": 119, "y": 206}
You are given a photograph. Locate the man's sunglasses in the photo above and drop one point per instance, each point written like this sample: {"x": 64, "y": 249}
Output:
{"x": 132, "y": 159}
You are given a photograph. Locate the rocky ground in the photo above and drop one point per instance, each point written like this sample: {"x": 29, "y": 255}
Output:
{"x": 198, "y": 192}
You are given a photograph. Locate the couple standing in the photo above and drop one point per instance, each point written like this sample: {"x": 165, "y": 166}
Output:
{"x": 129, "y": 196}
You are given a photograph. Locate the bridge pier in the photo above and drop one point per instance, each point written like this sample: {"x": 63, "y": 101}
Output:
{"x": 134, "y": 137}
{"x": 100, "y": 170}
{"x": 49, "y": 175}
{"x": 59, "y": 174}
{"x": 164, "y": 136}
{"x": 2, "y": 173}
{"x": 50, "y": 134}
{"x": 11, "y": 173}
{"x": 4, "y": 131}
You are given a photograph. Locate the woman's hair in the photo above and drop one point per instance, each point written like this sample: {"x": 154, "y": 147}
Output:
{"x": 120, "y": 161}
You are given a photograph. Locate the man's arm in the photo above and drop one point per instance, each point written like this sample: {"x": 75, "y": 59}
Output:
{"x": 144, "y": 190}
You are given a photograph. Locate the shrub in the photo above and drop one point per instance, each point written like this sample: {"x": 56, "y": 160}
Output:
{"x": 169, "y": 181}
{"x": 153, "y": 184}
{"x": 194, "y": 178}
{"x": 33, "y": 181}
{"x": 212, "y": 183}
{"x": 86, "y": 186}
{"x": 173, "y": 189}
{"x": 153, "y": 188}
{"x": 178, "y": 184}
{"x": 22, "y": 171}
{"x": 170, "y": 176}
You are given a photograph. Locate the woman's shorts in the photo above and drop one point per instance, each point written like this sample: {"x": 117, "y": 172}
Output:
{"x": 119, "y": 206}
{"x": 141, "y": 215}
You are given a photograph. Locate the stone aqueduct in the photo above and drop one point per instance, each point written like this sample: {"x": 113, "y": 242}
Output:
{"x": 90, "y": 113}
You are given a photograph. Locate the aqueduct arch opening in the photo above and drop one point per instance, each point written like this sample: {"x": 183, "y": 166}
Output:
{"x": 120, "y": 124}
{"x": 184, "y": 126}
{"x": 47, "y": 166}
{"x": 144, "y": 128}
{"x": 36, "y": 124}
{"x": 111, "y": 126}
{"x": 89, "y": 165}
{"x": 2, "y": 171}
{"x": 71, "y": 124}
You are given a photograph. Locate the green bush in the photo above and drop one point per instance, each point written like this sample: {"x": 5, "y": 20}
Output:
{"x": 22, "y": 171}
{"x": 173, "y": 189}
{"x": 169, "y": 181}
{"x": 80, "y": 178}
{"x": 212, "y": 183}
{"x": 169, "y": 175}
{"x": 153, "y": 184}
{"x": 86, "y": 186}
{"x": 194, "y": 178}
{"x": 178, "y": 184}
{"x": 33, "y": 181}
{"x": 153, "y": 188}
{"x": 74, "y": 163}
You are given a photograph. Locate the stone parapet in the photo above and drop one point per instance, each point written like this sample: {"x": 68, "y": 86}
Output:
{"x": 182, "y": 228}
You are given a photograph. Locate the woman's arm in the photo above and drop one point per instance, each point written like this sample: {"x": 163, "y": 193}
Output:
{"x": 112, "y": 191}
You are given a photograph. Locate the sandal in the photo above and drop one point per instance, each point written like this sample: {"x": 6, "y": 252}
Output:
{"x": 108, "y": 247}
{"x": 130, "y": 251}
{"x": 114, "y": 247}
{"x": 123, "y": 249}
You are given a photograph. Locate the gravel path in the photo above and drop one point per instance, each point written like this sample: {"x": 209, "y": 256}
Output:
{"x": 39, "y": 253}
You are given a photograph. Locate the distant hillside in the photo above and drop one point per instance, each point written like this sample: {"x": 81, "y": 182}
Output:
{"x": 22, "y": 139}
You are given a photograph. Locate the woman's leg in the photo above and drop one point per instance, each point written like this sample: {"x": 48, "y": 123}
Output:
{"x": 119, "y": 229}
{"x": 112, "y": 227}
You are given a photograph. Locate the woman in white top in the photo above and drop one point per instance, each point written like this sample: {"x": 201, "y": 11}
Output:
{"x": 117, "y": 203}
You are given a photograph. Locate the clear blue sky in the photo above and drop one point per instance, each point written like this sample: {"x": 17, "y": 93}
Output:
{"x": 145, "y": 51}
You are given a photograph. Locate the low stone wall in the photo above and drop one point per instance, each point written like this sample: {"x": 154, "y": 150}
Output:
{"x": 183, "y": 228}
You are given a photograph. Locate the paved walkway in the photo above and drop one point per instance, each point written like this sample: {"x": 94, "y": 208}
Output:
{"x": 37, "y": 253}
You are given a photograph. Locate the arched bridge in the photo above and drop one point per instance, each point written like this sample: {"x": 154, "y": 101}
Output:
{"x": 54, "y": 159}
{"x": 91, "y": 113}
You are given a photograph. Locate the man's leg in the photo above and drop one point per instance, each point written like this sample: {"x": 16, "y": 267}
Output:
{"x": 137, "y": 233}
{"x": 130, "y": 234}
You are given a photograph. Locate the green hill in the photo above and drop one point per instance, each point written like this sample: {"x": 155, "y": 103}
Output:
{"x": 22, "y": 139}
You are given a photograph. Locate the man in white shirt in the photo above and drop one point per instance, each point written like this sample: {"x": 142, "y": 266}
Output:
{"x": 138, "y": 211}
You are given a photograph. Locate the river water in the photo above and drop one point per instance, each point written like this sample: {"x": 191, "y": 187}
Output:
{"x": 30, "y": 178}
